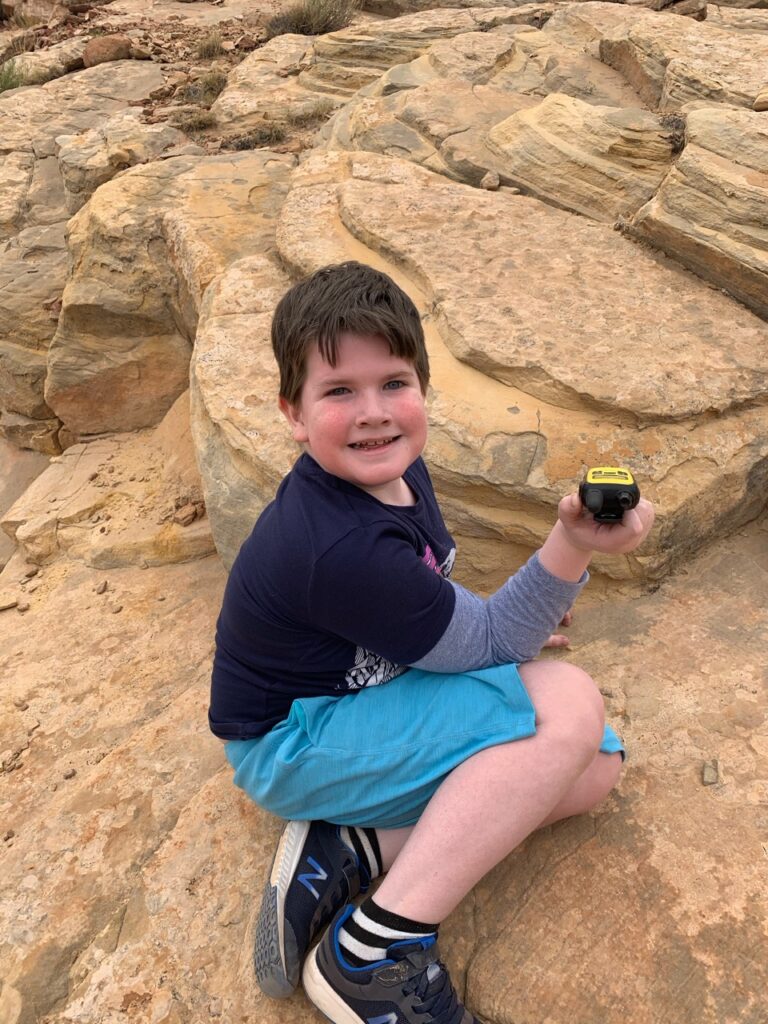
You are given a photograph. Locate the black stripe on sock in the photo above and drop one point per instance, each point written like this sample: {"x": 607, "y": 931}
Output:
{"x": 373, "y": 840}
{"x": 389, "y": 920}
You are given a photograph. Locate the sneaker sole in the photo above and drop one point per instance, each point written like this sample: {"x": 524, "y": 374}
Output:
{"x": 275, "y": 954}
{"x": 320, "y": 993}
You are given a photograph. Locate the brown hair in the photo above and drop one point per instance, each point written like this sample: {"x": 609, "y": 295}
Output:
{"x": 343, "y": 297}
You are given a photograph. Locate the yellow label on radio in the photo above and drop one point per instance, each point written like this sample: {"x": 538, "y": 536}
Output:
{"x": 609, "y": 475}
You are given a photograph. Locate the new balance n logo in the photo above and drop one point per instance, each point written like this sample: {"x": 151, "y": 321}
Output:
{"x": 308, "y": 878}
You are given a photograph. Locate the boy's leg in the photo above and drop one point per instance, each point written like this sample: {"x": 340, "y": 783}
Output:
{"x": 480, "y": 812}
{"x": 491, "y": 802}
{"x": 590, "y": 789}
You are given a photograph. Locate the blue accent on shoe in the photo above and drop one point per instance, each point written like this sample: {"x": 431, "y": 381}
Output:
{"x": 420, "y": 943}
{"x": 308, "y": 878}
{"x": 387, "y": 1018}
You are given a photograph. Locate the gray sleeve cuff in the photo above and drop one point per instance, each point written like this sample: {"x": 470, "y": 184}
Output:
{"x": 511, "y": 626}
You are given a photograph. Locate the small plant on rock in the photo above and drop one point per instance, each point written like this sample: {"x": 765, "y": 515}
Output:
{"x": 197, "y": 122}
{"x": 265, "y": 135}
{"x": 210, "y": 46}
{"x": 312, "y": 116}
{"x": 10, "y": 77}
{"x": 313, "y": 18}
{"x": 205, "y": 89}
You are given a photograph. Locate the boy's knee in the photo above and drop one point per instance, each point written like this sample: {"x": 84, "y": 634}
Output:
{"x": 567, "y": 700}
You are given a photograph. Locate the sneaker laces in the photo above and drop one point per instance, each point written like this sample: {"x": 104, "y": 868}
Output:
{"x": 436, "y": 993}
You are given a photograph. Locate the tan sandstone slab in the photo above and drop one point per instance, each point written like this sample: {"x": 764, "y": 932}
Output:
{"x": 437, "y": 110}
{"x": 672, "y": 62}
{"x": 93, "y": 157}
{"x": 242, "y": 443}
{"x": 115, "y": 502}
{"x": 33, "y": 269}
{"x": 292, "y": 74}
{"x": 135, "y": 883}
{"x": 53, "y": 62}
{"x": 575, "y": 330}
{"x": 106, "y": 743}
{"x": 144, "y": 250}
{"x": 710, "y": 212}
{"x": 602, "y": 162}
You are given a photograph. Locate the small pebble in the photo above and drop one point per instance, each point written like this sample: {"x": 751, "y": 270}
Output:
{"x": 710, "y": 773}
{"x": 22, "y": 606}
{"x": 20, "y": 704}
{"x": 8, "y": 835}
{"x": 92, "y": 476}
{"x": 32, "y": 571}
{"x": 161, "y": 597}
{"x": 116, "y": 608}
{"x": 70, "y": 773}
{"x": 101, "y": 588}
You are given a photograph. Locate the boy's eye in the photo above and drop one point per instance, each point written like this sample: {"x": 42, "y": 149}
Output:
{"x": 338, "y": 391}
{"x": 393, "y": 385}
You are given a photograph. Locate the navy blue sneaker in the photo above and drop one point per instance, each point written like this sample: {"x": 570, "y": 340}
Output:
{"x": 313, "y": 875}
{"x": 411, "y": 986}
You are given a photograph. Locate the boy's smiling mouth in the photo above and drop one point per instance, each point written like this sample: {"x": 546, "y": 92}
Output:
{"x": 382, "y": 443}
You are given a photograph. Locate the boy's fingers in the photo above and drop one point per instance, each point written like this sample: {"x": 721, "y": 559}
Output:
{"x": 558, "y": 640}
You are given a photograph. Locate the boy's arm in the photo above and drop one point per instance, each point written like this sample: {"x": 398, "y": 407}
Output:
{"x": 514, "y": 623}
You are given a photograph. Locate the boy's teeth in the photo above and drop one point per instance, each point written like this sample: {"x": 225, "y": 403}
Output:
{"x": 372, "y": 444}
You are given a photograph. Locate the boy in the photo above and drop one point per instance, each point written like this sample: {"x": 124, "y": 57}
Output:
{"x": 394, "y": 718}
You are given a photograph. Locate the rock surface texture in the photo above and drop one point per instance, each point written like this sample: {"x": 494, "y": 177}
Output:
{"x": 574, "y": 195}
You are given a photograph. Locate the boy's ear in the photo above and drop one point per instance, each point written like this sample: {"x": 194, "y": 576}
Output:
{"x": 293, "y": 414}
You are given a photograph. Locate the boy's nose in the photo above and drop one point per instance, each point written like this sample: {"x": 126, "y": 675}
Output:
{"x": 372, "y": 410}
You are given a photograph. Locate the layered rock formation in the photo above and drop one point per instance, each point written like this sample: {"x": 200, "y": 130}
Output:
{"x": 483, "y": 155}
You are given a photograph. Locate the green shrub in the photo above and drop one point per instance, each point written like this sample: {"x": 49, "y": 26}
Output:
{"x": 209, "y": 46}
{"x": 312, "y": 18}
{"x": 10, "y": 78}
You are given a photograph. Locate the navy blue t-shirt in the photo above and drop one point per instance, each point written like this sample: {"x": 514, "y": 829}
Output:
{"x": 332, "y": 591}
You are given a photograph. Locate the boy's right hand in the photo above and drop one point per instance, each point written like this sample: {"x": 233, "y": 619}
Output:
{"x": 586, "y": 535}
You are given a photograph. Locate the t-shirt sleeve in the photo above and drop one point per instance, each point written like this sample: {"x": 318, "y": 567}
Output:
{"x": 373, "y": 589}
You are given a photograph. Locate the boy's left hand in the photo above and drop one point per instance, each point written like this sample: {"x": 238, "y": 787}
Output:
{"x": 609, "y": 538}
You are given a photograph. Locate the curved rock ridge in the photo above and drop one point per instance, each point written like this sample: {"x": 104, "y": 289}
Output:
{"x": 710, "y": 212}
{"x": 144, "y": 249}
{"x": 291, "y": 74}
{"x": 513, "y": 420}
{"x": 603, "y": 162}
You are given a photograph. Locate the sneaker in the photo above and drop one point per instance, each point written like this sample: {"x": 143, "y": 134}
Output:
{"x": 411, "y": 986}
{"x": 313, "y": 875}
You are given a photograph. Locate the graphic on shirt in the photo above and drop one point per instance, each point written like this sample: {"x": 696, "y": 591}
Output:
{"x": 372, "y": 669}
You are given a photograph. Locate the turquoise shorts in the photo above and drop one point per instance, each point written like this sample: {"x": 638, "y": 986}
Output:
{"x": 375, "y": 757}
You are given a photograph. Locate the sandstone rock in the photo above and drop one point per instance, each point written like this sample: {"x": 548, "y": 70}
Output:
{"x": 291, "y": 74}
{"x": 104, "y": 49}
{"x": 15, "y": 178}
{"x": 602, "y": 162}
{"x": 130, "y": 308}
{"x": 508, "y": 305}
{"x": 94, "y": 157}
{"x": 61, "y": 511}
{"x": 710, "y": 210}
{"x": 673, "y": 62}
{"x": 740, "y": 20}
{"x": 17, "y": 471}
{"x": 142, "y": 676}
{"x": 242, "y": 445}
{"x": 33, "y": 269}
{"x": 761, "y": 101}
{"x": 37, "y": 435}
{"x": 53, "y": 62}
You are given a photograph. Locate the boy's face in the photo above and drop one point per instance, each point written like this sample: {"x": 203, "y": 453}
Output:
{"x": 363, "y": 420}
